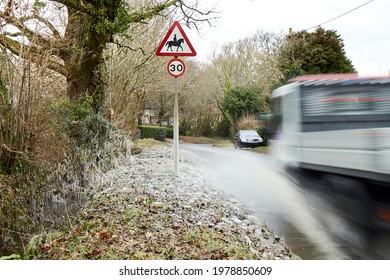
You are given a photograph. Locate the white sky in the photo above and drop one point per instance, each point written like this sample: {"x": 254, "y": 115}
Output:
{"x": 365, "y": 31}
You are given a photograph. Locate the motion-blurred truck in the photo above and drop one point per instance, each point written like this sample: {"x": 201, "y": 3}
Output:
{"x": 333, "y": 131}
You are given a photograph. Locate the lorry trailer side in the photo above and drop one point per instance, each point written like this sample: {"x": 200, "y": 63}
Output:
{"x": 335, "y": 130}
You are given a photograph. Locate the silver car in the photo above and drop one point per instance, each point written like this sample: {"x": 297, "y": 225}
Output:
{"x": 247, "y": 139}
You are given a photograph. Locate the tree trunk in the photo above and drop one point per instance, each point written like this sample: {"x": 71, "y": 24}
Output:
{"x": 84, "y": 61}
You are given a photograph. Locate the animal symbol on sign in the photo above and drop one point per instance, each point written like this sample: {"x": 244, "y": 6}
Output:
{"x": 175, "y": 43}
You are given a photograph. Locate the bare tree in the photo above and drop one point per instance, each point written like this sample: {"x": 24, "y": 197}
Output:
{"x": 25, "y": 84}
{"x": 77, "y": 48}
{"x": 199, "y": 113}
{"x": 249, "y": 61}
{"x": 136, "y": 74}
{"x": 250, "y": 64}
{"x": 67, "y": 40}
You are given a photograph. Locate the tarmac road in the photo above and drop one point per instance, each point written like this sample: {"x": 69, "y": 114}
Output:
{"x": 310, "y": 226}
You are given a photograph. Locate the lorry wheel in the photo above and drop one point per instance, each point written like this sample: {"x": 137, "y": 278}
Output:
{"x": 351, "y": 197}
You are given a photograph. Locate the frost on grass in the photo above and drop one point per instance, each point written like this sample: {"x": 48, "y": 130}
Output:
{"x": 142, "y": 211}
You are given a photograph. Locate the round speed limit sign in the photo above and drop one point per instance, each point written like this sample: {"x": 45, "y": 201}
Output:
{"x": 176, "y": 67}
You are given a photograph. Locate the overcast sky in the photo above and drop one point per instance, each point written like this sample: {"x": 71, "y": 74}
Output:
{"x": 365, "y": 31}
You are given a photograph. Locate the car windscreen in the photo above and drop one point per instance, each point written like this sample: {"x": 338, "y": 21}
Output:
{"x": 250, "y": 133}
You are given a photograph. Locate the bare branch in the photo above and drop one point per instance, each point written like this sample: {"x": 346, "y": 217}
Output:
{"x": 31, "y": 52}
{"x": 19, "y": 24}
{"x": 49, "y": 25}
{"x": 145, "y": 60}
{"x": 153, "y": 11}
{"x": 4, "y": 146}
{"x": 193, "y": 16}
{"x": 13, "y": 34}
{"x": 128, "y": 47}
{"x": 81, "y": 6}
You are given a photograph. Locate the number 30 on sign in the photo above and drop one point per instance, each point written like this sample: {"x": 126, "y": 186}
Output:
{"x": 176, "y": 67}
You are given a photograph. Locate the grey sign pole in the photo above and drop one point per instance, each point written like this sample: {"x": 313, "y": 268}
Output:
{"x": 178, "y": 45}
{"x": 176, "y": 128}
{"x": 176, "y": 68}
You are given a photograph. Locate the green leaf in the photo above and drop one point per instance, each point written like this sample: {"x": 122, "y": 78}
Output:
{"x": 11, "y": 257}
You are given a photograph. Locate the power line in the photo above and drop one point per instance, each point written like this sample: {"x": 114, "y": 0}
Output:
{"x": 350, "y": 11}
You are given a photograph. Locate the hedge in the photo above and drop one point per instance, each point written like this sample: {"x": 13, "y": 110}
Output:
{"x": 155, "y": 132}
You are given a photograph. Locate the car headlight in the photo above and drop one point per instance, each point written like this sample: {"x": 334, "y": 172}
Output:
{"x": 244, "y": 140}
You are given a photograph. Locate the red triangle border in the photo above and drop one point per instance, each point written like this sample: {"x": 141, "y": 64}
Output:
{"x": 187, "y": 41}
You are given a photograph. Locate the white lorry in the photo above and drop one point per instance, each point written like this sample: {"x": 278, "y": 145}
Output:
{"x": 334, "y": 131}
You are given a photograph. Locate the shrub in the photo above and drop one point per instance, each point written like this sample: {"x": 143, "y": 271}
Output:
{"x": 184, "y": 127}
{"x": 223, "y": 128}
{"x": 169, "y": 131}
{"x": 248, "y": 122}
{"x": 154, "y": 132}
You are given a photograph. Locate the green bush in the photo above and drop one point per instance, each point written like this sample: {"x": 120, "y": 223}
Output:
{"x": 154, "y": 132}
{"x": 223, "y": 128}
{"x": 184, "y": 127}
{"x": 169, "y": 131}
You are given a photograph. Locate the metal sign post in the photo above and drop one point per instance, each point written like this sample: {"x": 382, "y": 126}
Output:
{"x": 176, "y": 128}
{"x": 176, "y": 68}
{"x": 176, "y": 43}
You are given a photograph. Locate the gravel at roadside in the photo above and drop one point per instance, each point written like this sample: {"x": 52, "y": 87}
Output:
{"x": 194, "y": 201}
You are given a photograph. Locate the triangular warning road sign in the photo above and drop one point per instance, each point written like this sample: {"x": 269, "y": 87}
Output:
{"x": 175, "y": 43}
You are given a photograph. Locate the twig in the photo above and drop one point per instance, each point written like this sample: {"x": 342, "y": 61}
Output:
{"x": 9, "y": 150}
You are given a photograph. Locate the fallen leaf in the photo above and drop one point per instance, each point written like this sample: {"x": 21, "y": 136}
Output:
{"x": 93, "y": 254}
{"x": 103, "y": 234}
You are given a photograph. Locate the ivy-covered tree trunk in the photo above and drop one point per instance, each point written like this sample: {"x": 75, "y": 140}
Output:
{"x": 83, "y": 60}
{"x": 87, "y": 34}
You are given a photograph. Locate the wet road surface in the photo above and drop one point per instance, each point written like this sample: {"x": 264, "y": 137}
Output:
{"x": 307, "y": 221}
